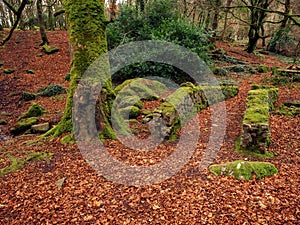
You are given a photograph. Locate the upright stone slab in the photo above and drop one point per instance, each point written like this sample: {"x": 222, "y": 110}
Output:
{"x": 256, "y": 128}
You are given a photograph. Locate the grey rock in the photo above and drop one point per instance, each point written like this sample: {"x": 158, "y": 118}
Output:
{"x": 40, "y": 128}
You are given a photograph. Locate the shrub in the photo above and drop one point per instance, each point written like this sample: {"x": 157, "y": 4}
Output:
{"x": 159, "y": 21}
{"x": 282, "y": 42}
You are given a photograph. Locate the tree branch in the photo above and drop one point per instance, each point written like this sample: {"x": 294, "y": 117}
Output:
{"x": 19, "y": 14}
{"x": 10, "y": 6}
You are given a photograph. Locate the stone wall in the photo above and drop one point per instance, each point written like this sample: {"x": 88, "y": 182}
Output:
{"x": 184, "y": 103}
{"x": 256, "y": 129}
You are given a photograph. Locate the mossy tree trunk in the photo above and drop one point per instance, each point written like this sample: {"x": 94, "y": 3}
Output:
{"x": 87, "y": 31}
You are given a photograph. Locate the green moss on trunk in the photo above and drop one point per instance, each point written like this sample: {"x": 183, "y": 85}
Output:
{"x": 87, "y": 31}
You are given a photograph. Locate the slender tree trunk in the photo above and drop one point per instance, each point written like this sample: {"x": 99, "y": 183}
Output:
{"x": 215, "y": 22}
{"x": 50, "y": 25}
{"x": 87, "y": 31}
{"x": 41, "y": 23}
{"x": 228, "y": 4}
{"x": 18, "y": 14}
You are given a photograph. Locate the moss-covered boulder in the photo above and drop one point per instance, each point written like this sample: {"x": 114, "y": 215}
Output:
{"x": 8, "y": 71}
{"x": 40, "y": 128}
{"x": 35, "y": 110}
{"x": 129, "y": 101}
{"x": 237, "y": 68}
{"x": 244, "y": 170}
{"x": 220, "y": 71}
{"x": 3, "y": 122}
{"x": 143, "y": 88}
{"x": 130, "y": 111}
{"x": 28, "y": 96}
{"x": 68, "y": 77}
{"x": 49, "y": 49}
{"x": 262, "y": 69}
{"x": 29, "y": 71}
{"x": 290, "y": 108}
{"x": 23, "y": 125}
{"x": 51, "y": 90}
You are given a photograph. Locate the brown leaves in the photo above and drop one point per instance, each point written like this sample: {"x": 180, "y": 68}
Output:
{"x": 34, "y": 196}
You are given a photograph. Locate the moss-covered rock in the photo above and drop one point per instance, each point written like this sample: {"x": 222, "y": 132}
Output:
{"x": 50, "y": 49}
{"x": 129, "y": 101}
{"x": 8, "y": 71}
{"x": 23, "y": 125}
{"x": 29, "y": 71}
{"x": 289, "y": 109}
{"x": 3, "y": 122}
{"x": 40, "y": 128}
{"x": 1, "y": 63}
{"x": 220, "y": 71}
{"x": 237, "y": 68}
{"x": 244, "y": 170}
{"x": 35, "y": 110}
{"x": 146, "y": 112}
{"x": 68, "y": 77}
{"x": 28, "y": 96}
{"x": 51, "y": 90}
{"x": 143, "y": 88}
{"x": 262, "y": 69}
{"x": 131, "y": 111}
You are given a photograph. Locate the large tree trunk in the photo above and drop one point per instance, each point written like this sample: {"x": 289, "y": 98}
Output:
{"x": 87, "y": 31}
{"x": 253, "y": 37}
{"x": 257, "y": 17}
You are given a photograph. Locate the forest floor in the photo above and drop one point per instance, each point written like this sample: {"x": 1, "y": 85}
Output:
{"x": 67, "y": 190}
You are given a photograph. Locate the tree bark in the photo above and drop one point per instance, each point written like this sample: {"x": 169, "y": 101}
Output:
{"x": 215, "y": 22}
{"x": 87, "y": 31}
{"x": 41, "y": 23}
{"x": 257, "y": 17}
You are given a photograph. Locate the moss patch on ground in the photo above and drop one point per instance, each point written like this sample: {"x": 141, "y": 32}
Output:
{"x": 18, "y": 163}
{"x": 68, "y": 139}
{"x": 50, "y": 49}
{"x": 244, "y": 170}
